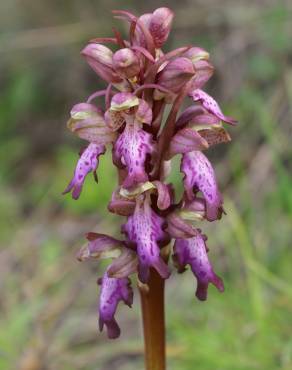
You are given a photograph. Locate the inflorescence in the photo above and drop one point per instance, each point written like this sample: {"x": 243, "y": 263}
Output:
{"x": 142, "y": 81}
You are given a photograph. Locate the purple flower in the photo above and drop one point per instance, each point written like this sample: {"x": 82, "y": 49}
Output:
{"x": 113, "y": 291}
{"x": 193, "y": 251}
{"x": 211, "y": 105}
{"x": 142, "y": 79}
{"x": 87, "y": 163}
{"x": 144, "y": 228}
{"x": 200, "y": 176}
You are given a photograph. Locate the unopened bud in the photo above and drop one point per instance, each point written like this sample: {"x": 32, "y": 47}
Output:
{"x": 176, "y": 74}
{"x": 100, "y": 58}
{"x": 139, "y": 38}
{"x": 160, "y": 25}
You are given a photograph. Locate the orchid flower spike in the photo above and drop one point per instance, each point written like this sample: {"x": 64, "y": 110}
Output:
{"x": 142, "y": 79}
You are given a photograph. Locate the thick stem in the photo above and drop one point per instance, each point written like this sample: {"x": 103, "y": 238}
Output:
{"x": 153, "y": 322}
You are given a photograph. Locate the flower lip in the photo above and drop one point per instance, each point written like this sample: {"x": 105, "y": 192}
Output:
{"x": 193, "y": 251}
{"x": 144, "y": 228}
{"x": 199, "y": 174}
{"x": 88, "y": 162}
{"x": 113, "y": 290}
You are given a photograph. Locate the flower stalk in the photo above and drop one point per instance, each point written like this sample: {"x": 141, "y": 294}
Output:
{"x": 142, "y": 80}
{"x": 152, "y": 305}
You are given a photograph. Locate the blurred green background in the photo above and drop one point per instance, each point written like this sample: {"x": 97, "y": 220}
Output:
{"x": 48, "y": 300}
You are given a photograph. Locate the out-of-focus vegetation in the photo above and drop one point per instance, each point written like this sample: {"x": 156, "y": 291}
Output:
{"x": 49, "y": 301}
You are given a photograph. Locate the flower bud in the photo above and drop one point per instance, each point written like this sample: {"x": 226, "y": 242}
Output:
{"x": 176, "y": 74}
{"x": 100, "y": 58}
{"x": 160, "y": 25}
{"x": 139, "y": 38}
{"x": 126, "y": 63}
{"x": 195, "y": 54}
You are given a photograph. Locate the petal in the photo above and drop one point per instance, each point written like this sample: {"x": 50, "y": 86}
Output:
{"x": 205, "y": 121}
{"x": 113, "y": 291}
{"x": 194, "y": 210}
{"x": 132, "y": 147}
{"x": 100, "y": 246}
{"x": 126, "y": 63}
{"x": 123, "y": 101}
{"x": 137, "y": 190}
{"x": 204, "y": 71}
{"x": 184, "y": 141}
{"x": 139, "y": 38}
{"x": 177, "y": 227}
{"x": 120, "y": 205}
{"x": 193, "y": 251}
{"x": 82, "y": 111}
{"x": 87, "y": 163}
{"x": 211, "y": 105}
{"x": 200, "y": 175}
{"x": 114, "y": 120}
{"x": 145, "y": 229}
{"x": 88, "y": 123}
{"x": 125, "y": 265}
{"x": 163, "y": 200}
{"x": 196, "y": 53}
{"x": 144, "y": 112}
{"x": 160, "y": 25}
{"x": 99, "y": 57}
{"x": 176, "y": 74}
{"x": 188, "y": 114}
{"x": 215, "y": 136}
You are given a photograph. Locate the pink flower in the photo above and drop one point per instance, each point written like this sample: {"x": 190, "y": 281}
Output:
{"x": 133, "y": 118}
